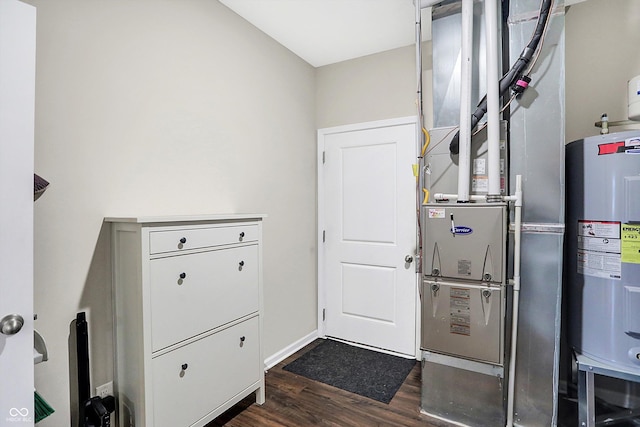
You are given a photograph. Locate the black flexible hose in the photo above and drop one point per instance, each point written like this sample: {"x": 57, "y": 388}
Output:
{"x": 512, "y": 75}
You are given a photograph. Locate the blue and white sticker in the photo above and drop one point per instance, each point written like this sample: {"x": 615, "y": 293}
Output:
{"x": 632, "y": 146}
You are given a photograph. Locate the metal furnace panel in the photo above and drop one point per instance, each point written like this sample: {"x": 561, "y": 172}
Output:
{"x": 440, "y": 169}
{"x": 463, "y": 320}
{"x": 446, "y": 393}
{"x": 465, "y": 242}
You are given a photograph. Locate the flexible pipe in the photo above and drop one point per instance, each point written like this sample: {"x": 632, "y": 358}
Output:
{"x": 516, "y": 299}
{"x": 464, "y": 160}
{"x": 514, "y": 73}
{"x": 493, "y": 99}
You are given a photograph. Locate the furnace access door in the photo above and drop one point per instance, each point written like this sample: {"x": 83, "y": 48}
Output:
{"x": 465, "y": 242}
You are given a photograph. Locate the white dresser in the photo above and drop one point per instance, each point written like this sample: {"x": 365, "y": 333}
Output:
{"x": 187, "y": 303}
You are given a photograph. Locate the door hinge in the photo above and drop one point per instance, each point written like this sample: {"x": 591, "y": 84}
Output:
{"x": 324, "y": 236}
{"x": 324, "y": 314}
{"x": 323, "y": 157}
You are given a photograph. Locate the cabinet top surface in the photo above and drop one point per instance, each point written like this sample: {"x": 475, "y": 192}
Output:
{"x": 185, "y": 218}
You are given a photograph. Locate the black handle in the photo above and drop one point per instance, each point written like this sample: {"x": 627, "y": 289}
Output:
{"x": 241, "y": 263}
{"x": 242, "y": 338}
{"x": 241, "y": 234}
{"x": 183, "y": 240}
{"x": 183, "y": 275}
{"x": 184, "y": 366}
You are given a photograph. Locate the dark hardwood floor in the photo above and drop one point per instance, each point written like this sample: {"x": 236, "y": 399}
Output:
{"x": 295, "y": 401}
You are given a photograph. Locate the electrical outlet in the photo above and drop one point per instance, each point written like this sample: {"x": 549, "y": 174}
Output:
{"x": 105, "y": 390}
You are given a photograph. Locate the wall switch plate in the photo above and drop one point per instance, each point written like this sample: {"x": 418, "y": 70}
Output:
{"x": 105, "y": 390}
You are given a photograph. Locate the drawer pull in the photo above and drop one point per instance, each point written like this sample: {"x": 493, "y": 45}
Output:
{"x": 183, "y": 240}
{"x": 242, "y": 338}
{"x": 241, "y": 236}
{"x": 241, "y": 263}
{"x": 184, "y": 366}
{"x": 183, "y": 275}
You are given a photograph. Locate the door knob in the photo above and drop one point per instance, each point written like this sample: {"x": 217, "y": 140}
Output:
{"x": 11, "y": 324}
{"x": 408, "y": 259}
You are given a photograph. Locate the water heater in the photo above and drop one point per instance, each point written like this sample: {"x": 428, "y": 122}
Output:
{"x": 602, "y": 260}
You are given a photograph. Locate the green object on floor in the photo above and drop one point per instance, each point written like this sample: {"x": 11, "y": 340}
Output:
{"x": 41, "y": 407}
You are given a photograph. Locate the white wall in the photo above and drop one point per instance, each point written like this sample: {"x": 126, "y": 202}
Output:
{"x": 374, "y": 87}
{"x": 164, "y": 107}
{"x": 602, "y": 40}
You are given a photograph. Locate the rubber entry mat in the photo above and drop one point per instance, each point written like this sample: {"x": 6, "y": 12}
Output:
{"x": 357, "y": 370}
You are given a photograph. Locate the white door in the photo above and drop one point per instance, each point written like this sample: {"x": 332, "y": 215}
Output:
{"x": 367, "y": 218}
{"x": 17, "y": 91}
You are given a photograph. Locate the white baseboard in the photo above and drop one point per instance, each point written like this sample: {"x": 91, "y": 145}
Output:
{"x": 278, "y": 357}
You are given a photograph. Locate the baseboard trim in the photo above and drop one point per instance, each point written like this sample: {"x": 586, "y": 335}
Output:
{"x": 278, "y": 357}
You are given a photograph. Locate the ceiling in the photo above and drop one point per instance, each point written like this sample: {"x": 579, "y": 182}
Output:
{"x": 328, "y": 31}
{"x": 324, "y": 32}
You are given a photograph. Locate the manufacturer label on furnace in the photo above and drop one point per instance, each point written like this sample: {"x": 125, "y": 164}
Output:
{"x": 460, "y": 311}
{"x": 436, "y": 213}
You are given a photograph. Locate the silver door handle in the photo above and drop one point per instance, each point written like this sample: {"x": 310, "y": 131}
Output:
{"x": 408, "y": 259}
{"x": 11, "y": 324}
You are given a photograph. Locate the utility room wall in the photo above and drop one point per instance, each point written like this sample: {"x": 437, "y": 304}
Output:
{"x": 164, "y": 107}
{"x": 602, "y": 40}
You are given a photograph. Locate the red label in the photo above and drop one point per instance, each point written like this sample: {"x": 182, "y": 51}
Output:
{"x": 611, "y": 148}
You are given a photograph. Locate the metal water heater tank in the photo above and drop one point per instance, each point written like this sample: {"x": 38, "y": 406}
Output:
{"x": 602, "y": 260}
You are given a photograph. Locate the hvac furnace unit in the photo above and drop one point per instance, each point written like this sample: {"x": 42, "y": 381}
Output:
{"x": 603, "y": 248}
{"x": 463, "y": 312}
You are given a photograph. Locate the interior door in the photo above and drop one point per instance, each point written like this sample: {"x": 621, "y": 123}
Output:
{"x": 17, "y": 91}
{"x": 367, "y": 217}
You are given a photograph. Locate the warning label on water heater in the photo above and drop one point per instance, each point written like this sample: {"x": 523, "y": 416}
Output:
{"x": 631, "y": 243}
{"x": 599, "y": 249}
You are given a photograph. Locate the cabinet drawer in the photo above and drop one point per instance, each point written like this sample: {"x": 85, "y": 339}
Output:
{"x": 194, "y": 293}
{"x": 217, "y": 368}
{"x": 194, "y": 238}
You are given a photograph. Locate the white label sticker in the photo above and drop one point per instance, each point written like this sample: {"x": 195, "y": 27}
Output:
{"x": 460, "y": 311}
{"x": 479, "y": 166}
{"x": 436, "y": 213}
{"x": 599, "y": 247}
{"x": 480, "y": 184}
{"x": 610, "y": 229}
{"x": 599, "y": 244}
{"x": 632, "y": 145}
{"x": 599, "y": 264}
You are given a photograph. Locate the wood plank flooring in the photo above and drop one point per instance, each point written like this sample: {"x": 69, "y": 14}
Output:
{"x": 296, "y": 401}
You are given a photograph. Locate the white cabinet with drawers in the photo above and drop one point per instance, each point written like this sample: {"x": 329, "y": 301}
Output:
{"x": 187, "y": 301}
